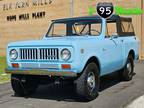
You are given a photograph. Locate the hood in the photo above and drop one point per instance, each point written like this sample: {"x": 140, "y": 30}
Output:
{"x": 54, "y": 41}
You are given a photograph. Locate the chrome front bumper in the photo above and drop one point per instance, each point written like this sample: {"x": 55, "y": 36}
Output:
{"x": 41, "y": 72}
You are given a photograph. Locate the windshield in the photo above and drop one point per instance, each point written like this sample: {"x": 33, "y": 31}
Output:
{"x": 79, "y": 28}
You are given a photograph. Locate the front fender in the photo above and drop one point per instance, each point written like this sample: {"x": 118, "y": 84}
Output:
{"x": 82, "y": 60}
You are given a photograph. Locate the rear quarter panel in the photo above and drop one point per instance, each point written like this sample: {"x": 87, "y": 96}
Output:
{"x": 131, "y": 43}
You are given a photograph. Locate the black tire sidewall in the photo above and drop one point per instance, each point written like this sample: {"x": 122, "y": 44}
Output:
{"x": 16, "y": 86}
{"x": 125, "y": 73}
{"x": 81, "y": 82}
{"x": 23, "y": 88}
{"x": 92, "y": 68}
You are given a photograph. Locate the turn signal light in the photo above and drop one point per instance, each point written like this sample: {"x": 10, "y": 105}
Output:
{"x": 66, "y": 66}
{"x": 15, "y": 65}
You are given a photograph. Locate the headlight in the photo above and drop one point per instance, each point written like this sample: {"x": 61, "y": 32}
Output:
{"x": 65, "y": 54}
{"x": 13, "y": 54}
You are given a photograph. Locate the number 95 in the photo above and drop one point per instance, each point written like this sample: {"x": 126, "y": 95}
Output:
{"x": 105, "y": 10}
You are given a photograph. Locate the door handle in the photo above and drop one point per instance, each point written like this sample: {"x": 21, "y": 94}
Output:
{"x": 122, "y": 40}
{"x": 104, "y": 49}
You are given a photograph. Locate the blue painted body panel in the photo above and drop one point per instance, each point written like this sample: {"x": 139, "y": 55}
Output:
{"x": 111, "y": 53}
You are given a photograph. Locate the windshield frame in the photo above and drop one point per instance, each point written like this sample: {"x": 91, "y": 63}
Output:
{"x": 71, "y": 22}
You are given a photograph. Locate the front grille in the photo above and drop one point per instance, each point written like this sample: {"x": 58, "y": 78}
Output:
{"x": 39, "y": 54}
{"x": 29, "y": 54}
{"x": 48, "y": 54}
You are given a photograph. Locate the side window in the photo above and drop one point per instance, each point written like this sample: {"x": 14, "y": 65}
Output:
{"x": 95, "y": 29}
{"x": 80, "y": 29}
{"x": 86, "y": 28}
{"x": 127, "y": 27}
{"x": 111, "y": 29}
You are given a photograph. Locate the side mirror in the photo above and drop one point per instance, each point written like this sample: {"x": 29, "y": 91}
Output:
{"x": 114, "y": 37}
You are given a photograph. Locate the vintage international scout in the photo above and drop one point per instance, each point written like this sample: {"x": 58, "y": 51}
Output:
{"x": 78, "y": 50}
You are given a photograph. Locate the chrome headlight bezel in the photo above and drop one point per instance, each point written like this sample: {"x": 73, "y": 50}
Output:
{"x": 65, "y": 54}
{"x": 13, "y": 54}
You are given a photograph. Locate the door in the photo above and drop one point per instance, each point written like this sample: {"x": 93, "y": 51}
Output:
{"x": 113, "y": 49}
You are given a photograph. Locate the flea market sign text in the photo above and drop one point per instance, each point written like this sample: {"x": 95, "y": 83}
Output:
{"x": 26, "y": 16}
{"x": 25, "y": 4}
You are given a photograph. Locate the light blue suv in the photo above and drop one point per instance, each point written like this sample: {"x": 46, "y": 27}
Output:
{"x": 78, "y": 50}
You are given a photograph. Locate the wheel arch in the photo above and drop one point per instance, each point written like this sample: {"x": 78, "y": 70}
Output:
{"x": 95, "y": 60}
{"x": 132, "y": 52}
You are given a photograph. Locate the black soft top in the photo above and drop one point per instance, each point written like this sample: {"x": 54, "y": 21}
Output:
{"x": 114, "y": 18}
{"x": 85, "y": 18}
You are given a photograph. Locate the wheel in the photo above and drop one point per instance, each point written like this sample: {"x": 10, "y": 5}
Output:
{"x": 128, "y": 71}
{"x": 23, "y": 85}
{"x": 87, "y": 84}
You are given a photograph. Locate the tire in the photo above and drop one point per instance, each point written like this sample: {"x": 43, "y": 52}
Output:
{"x": 23, "y": 85}
{"x": 85, "y": 86}
{"x": 128, "y": 71}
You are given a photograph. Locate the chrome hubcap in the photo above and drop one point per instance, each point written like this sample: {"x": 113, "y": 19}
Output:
{"x": 91, "y": 80}
{"x": 129, "y": 68}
